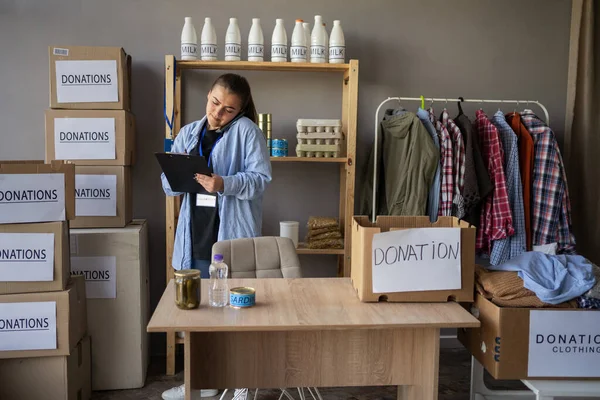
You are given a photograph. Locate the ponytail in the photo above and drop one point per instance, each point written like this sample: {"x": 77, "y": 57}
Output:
{"x": 239, "y": 86}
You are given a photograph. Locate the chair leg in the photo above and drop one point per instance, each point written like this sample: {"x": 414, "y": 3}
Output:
{"x": 289, "y": 396}
{"x": 301, "y": 393}
{"x": 318, "y": 393}
{"x": 255, "y": 394}
{"x": 223, "y": 395}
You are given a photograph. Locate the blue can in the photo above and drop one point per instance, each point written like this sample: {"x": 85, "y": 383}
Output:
{"x": 242, "y": 297}
{"x": 279, "y": 144}
{"x": 277, "y": 152}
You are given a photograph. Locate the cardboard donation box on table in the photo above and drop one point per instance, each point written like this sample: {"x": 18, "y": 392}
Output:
{"x": 34, "y": 257}
{"x": 56, "y": 378}
{"x": 410, "y": 259}
{"x": 534, "y": 343}
{"x": 87, "y": 77}
{"x": 31, "y": 191}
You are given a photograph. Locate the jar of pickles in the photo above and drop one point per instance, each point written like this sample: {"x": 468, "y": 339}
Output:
{"x": 187, "y": 288}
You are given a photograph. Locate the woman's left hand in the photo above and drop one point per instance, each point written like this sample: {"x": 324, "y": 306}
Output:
{"x": 212, "y": 184}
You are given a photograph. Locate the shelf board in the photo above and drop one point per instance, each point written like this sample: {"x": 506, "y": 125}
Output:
{"x": 303, "y": 249}
{"x": 342, "y": 160}
{"x": 262, "y": 66}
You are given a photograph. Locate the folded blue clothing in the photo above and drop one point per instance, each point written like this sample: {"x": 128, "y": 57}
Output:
{"x": 553, "y": 278}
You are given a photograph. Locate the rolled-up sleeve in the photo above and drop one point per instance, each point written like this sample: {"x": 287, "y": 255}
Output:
{"x": 252, "y": 182}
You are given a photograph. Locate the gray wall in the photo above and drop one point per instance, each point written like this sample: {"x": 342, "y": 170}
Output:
{"x": 472, "y": 48}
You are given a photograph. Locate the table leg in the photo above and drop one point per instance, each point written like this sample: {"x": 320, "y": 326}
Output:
{"x": 425, "y": 369}
{"x": 187, "y": 369}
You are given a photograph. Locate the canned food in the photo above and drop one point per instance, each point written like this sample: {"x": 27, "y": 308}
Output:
{"x": 277, "y": 152}
{"x": 279, "y": 144}
{"x": 242, "y": 297}
{"x": 187, "y": 289}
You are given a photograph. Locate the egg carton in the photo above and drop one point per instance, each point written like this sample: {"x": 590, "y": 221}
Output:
{"x": 318, "y": 150}
{"x": 319, "y": 126}
{"x": 319, "y": 138}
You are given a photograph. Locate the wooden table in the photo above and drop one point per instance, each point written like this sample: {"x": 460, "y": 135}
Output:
{"x": 310, "y": 333}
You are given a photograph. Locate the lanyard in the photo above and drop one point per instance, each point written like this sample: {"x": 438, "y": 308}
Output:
{"x": 200, "y": 151}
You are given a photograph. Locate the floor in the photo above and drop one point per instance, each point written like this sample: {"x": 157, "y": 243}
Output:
{"x": 455, "y": 365}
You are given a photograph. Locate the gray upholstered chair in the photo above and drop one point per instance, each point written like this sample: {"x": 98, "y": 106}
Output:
{"x": 261, "y": 257}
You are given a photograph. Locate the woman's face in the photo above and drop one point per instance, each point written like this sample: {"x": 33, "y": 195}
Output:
{"x": 222, "y": 106}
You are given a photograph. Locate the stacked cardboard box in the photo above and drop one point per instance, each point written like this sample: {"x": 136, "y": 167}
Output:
{"x": 90, "y": 125}
{"x": 43, "y": 319}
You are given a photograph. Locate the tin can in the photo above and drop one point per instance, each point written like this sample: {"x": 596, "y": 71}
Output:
{"x": 279, "y": 144}
{"x": 242, "y": 297}
{"x": 276, "y": 152}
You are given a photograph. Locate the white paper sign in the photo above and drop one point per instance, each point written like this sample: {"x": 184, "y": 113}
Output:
{"x": 564, "y": 344}
{"x": 100, "y": 275}
{"x": 28, "y": 326}
{"x": 26, "y": 257}
{"x": 84, "y": 139}
{"x": 87, "y": 81}
{"x": 416, "y": 259}
{"x": 95, "y": 195}
{"x": 32, "y": 198}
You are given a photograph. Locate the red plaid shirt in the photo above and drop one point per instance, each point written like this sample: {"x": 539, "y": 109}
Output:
{"x": 458, "y": 149}
{"x": 447, "y": 171}
{"x": 496, "y": 218}
{"x": 551, "y": 207}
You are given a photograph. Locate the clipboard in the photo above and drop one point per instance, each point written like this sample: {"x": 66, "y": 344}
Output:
{"x": 180, "y": 170}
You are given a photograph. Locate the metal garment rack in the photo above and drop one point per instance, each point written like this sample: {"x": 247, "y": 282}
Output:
{"x": 434, "y": 100}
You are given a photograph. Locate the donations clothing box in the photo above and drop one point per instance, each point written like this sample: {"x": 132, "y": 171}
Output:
{"x": 534, "y": 343}
{"x": 102, "y": 197}
{"x": 31, "y": 191}
{"x": 87, "y": 77}
{"x": 90, "y": 137}
{"x": 56, "y": 378}
{"x": 34, "y": 257}
{"x": 410, "y": 259}
{"x": 43, "y": 324}
{"x": 115, "y": 264}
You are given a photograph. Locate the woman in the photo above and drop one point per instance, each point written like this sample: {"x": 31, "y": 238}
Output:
{"x": 230, "y": 206}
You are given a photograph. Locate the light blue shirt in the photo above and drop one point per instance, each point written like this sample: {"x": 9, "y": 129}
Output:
{"x": 553, "y": 278}
{"x": 433, "y": 202}
{"x": 511, "y": 246}
{"x": 242, "y": 160}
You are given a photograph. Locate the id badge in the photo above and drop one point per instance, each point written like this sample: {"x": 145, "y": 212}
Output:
{"x": 206, "y": 200}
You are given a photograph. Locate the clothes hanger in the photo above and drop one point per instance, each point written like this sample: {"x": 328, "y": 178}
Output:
{"x": 422, "y": 102}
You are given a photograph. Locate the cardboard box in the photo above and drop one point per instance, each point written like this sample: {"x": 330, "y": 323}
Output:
{"x": 31, "y": 191}
{"x": 90, "y": 137}
{"x": 34, "y": 257}
{"x": 66, "y": 310}
{"x": 102, "y": 197}
{"x": 117, "y": 325}
{"x": 91, "y": 78}
{"x": 56, "y": 378}
{"x": 534, "y": 343}
{"x": 363, "y": 232}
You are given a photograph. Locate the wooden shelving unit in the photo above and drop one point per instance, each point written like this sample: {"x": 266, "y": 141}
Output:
{"x": 349, "y": 85}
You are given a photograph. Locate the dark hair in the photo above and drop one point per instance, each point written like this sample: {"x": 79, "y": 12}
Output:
{"x": 238, "y": 85}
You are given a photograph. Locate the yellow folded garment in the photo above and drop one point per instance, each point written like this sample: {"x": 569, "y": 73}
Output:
{"x": 506, "y": 289}
{"x": 321, "y": 222}
{"x": 326, "y": 244}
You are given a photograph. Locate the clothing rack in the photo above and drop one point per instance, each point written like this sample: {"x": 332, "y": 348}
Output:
{"x": 434, "y": 100}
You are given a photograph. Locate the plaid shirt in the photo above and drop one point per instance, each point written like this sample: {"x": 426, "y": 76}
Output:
{"x": 458, "y": 149}
{"x": 507, "y": 248}
{"x": 496, "y": 218}
{"x": 551, "y": 207}
{"x": 446, "y": 161}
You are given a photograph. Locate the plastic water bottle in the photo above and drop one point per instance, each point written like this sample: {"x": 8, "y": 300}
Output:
{"x": 218, "y": 290}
